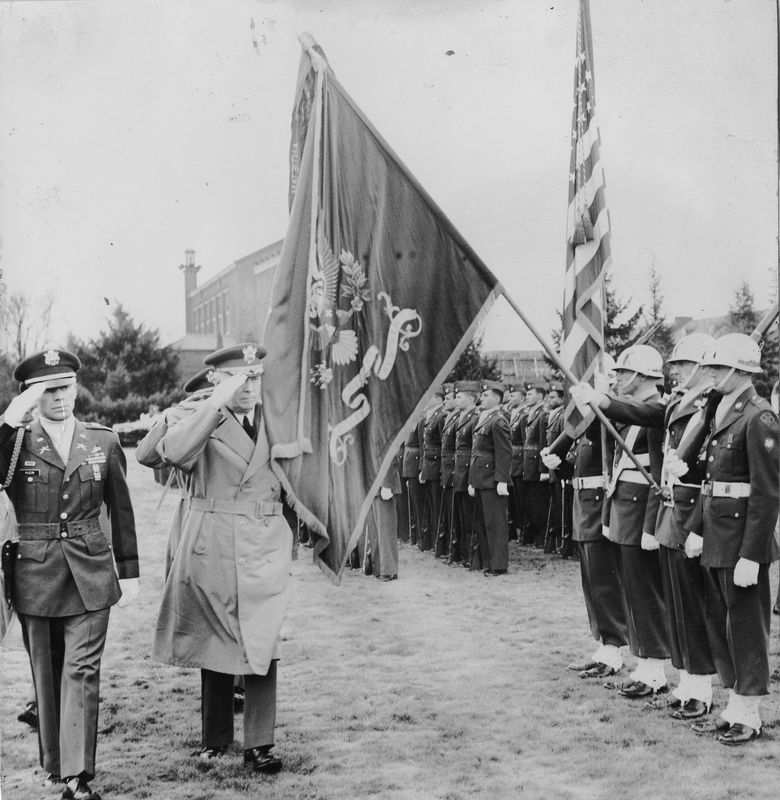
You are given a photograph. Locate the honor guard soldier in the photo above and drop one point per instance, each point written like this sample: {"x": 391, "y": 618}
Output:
{"x": 491, "y": 458}
{"x": 599, "y": 557}
{"x": 449, "y": 421}
{"x": 535, "y": 476}
{"x": 410, "y": 475}
{"x": 560, "y": 485}
{"x": 383, "y": 527}
{"x": 430, "y": 467}
{"x": 466, "y": 393}
{"x": 227, "y": 592}
{"x": 68, "y": 573}
{"x": 630, "y": 516}
{"x": 736, "y": 519}
{"x": 518, "y": 418}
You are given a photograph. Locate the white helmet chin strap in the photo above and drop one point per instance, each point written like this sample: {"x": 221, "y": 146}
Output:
{"x": 719, "y": 387}
{"x": 624, "y": 386}
{"x": 687, "y": 382}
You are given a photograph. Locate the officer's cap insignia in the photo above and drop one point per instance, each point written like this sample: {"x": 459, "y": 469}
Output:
{"x": 250, "y": 354}
{"x": 52, "y": 358}
{"x": 769, "y": 419}
{"x": 769, "y": 443}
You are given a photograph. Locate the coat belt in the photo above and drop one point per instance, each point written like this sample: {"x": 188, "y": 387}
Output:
{"x": 632, "y": 476}
{"x": 57, "y": 530}
{"x": 725, "y": 489}
{"x": 260, "y": 509}
{"x": 589, "y": 482}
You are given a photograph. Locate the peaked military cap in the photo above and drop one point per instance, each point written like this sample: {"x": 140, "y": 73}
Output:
{"x": 467, "y": 386}
{"x": 199, "y": 381}
{"x": 51, "y": 365}
{"x": 242, "y": 358}
{"x": 495, "y": 386}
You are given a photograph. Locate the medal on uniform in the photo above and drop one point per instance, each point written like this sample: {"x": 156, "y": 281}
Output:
{"x": 96, "y": 471}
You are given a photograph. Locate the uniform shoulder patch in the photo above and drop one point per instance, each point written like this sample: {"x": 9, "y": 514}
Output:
{"x": 769, "y": 419}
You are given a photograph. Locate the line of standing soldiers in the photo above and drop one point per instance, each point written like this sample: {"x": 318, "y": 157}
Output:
{"x": 473, "y": 478}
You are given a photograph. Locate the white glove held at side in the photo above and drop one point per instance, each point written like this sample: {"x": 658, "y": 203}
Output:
{"x": 130, "y": 588}
{"x": 746, "y": 573}
{"x": 649, "y": 542}
{"x": 693, "y": 545}
{"x": 502, "y": 490}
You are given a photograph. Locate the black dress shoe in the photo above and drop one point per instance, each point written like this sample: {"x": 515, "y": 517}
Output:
{"x": 81, "y": 792}
{"x": 662, "y": 703}
{"x": 599, "y": 671}
{"x": 386, "y": 578}
{"x": 261, "y": 760}
{"x": 210, "y": 753}
{"x": 492, "y": 573}
{"x": 739, "y": 734}
{"x": 692, "y": 709}
{"x": 581, "y": 666}
{"x": 636, "y": 689}
{"x": 30, "y": 715}
{"x": 718, "y": 725}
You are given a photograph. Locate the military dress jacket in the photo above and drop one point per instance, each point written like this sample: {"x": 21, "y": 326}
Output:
{"x": 225, "y": 597}
{"x": 65, "y": 560}
{"x": 535, "y": 430}
{"x": 491, "y": 452}
{"x": 517, "y": 426}
{"x": 632, "y": 508}
{"x": 410, "y": 465}
{"x": 430, "y": 459}
{"x": 553, "y": 431}
{"x": 742, "y": 449}
{"x": 464, "y": 433}
{"x": 584, "y": 453}
{"x": 448, "y": 431}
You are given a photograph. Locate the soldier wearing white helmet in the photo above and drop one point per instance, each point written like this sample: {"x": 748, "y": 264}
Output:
{"x": 736, "y": 520}
{"x": 631, "y": 511}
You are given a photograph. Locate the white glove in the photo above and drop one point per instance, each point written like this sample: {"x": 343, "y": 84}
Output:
{"x": 502, "y": 490}
{"x": 386, "y": 493}
{"x": 649, "y": 542}
{"x": 693, "y": 545}
{"x": 601, "y": 382}
{"x": 746, "y": 573}
{"x": 675, "y": 467}
{"x": 582, "y": 394}
{"x": 22, "y": 403}
{"x": 550, "y": 460}
{"x": 471, "y": 491}
{"x": 605, "y": 531}
{"x": 544, "y": 476}
{"x": 226, "y": 389}
{"x": 420, "y": 478}
{"x": 130, "y": 588}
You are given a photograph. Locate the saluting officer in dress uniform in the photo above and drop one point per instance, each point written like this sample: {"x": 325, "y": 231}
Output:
{"x": 430, "y": 467}
{"x": 491, "y": 458}
{"x": 66, "y": 568}
{"x": 466, "y": 401}
{"x": 736, "y": 517}
{"x": 449, "y": 421}
{"x": 630, "y": 516}
{"x": 226, "y": 595}
{"x": 535, "y": 476}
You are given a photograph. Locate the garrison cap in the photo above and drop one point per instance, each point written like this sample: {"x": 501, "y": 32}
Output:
{"x": 438, "y": 391}
{"x": 240, "y": 359}
{"x": 539, "y": 385}
{"x": 449, "y": 388}
{"x": 516, "y": 387}
{"x": 199, "y": 381}
{"x": 467, "y": 386}
{"x": 52, "y": 365}
{"x": 556, "y": 386}
{"x": 495, "y": 386}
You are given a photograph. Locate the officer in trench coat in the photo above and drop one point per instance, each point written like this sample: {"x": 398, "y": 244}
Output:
{"x": 226, "y": 595}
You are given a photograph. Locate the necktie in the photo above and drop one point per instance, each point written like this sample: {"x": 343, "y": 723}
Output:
{"x": 249, "y": 428}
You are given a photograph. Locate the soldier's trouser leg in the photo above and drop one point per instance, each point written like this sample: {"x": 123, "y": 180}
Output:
{"x": 444, "y": 526}
{"x": 644, "y": 602}
{"x": 554, "y": 534}
{"x": 520, "y": 492}
{"x": 260, "y": 708}
{"x": 417, "y": 503}
{"x": 402, "y": 510}
{"x": 480, "y": 550}
{"x": 216, "y": 707}
{"x": 602, "y": 590}
{"x": 538, "y": 508}
{"x": 465, "y": 508}
{"x": 494, "y": 512}
{"x": 738, "y": 623}
{"x": 431, "y": 515}
{"x": 385, "y": 554}
{"x": 65, "y": 654}
{"x": 686, "y": 620}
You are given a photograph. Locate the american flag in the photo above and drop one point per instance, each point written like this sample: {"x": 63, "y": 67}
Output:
{"x": 588, "y": 251}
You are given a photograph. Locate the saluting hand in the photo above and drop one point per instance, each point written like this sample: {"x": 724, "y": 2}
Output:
{"x": 22, "y": 403}
{"x": 224, "y": 390}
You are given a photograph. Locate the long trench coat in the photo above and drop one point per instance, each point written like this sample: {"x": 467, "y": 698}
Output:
{"x": 229, "y": 586}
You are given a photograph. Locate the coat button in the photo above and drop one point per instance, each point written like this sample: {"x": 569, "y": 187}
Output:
{"x": 29, "y": 480}
{"x": 242, "y": 561}
{"x": 64, "y": 535}
{"x": 65, "y": 497}
{"x": 714, "y": 443}
{"x": 737, "y": 514}
{"x": 634, "y": 499}
{"x": 712, "y": 458}
{"x": 64, "y": 515}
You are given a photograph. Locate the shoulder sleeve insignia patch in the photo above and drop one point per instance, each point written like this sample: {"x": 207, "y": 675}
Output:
{"x": 769, "y": 419}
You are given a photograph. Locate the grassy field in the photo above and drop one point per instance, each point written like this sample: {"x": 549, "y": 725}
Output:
{"x": 443, "y": 684}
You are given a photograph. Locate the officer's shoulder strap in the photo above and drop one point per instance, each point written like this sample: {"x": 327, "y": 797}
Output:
{"x": 96, "y": 426}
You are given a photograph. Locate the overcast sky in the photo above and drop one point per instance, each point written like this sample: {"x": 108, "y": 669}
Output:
{"x": 132, "y": 131}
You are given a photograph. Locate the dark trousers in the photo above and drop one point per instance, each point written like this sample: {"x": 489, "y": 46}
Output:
{"x": 464, "y": 510}
{"x": 430, "y": 515}
{"x": 519, "y": 492}
{"x": 65, "y": 655}
{"x": 738, "y": 622}
{"x": 383, "y": 537}
{"x": 538, "y": 499}
{"x": 259, "y": 708}
{"x": 402, "y": 503}
{"x": 444, "y": 528}
{"x": 643, "y": 598}
{"x": 492, "y": 532}
{"x": 603, "y": 592}
{"x": 416, "y": 493}
{"x": 686, "y": 620}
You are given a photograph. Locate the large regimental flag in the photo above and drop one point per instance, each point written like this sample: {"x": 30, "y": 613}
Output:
{"x": 375, "y": 297}
{"x": 588, "y": 231}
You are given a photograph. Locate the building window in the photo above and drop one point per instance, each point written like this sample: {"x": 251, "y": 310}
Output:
{"x": 219, "y": 302}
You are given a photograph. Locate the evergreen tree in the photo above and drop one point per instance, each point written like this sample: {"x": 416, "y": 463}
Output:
{"x": 744, "y": 318}
{"x": 474, "y": 366}
{"x": 661, "y": 337}
{"x": 620, "y": 328}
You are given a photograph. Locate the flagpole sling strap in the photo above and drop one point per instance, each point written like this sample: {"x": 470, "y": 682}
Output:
{"x": 260, "y": 509}
{"x": 32, "y": 531}
{"x": 725, "y": 489}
